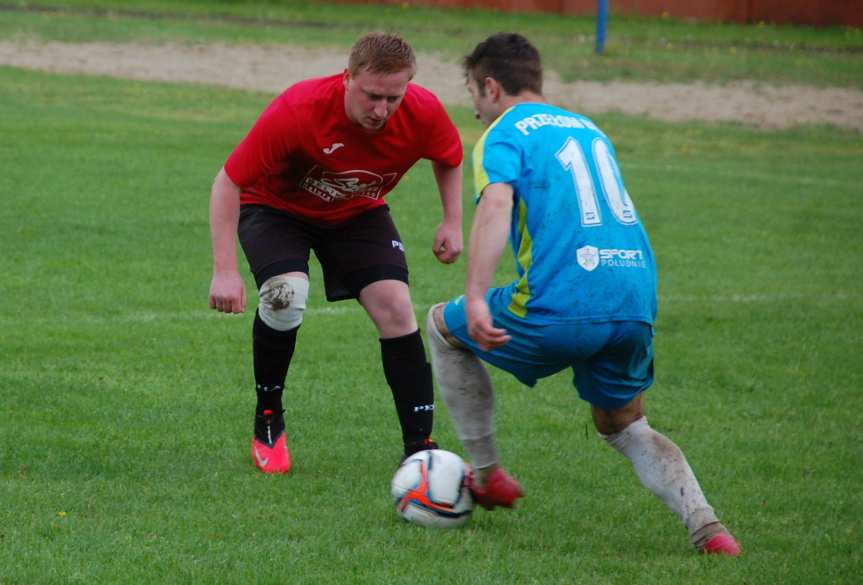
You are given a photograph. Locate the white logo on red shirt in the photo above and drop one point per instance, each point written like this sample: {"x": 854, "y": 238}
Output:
{"x": 331, "y": 186}
{"x": 334, "y": 147}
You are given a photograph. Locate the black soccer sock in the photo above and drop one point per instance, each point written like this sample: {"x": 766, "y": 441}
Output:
{"x": 272, "y": 352}
{"x": 410, "y": 378}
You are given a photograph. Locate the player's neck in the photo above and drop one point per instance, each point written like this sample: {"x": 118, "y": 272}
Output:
{"x": 508, "y": 101}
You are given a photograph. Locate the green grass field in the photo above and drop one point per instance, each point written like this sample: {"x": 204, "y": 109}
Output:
{"x": 125, "y": 404}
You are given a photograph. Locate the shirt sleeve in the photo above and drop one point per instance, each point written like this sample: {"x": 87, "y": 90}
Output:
{"x": 496, "y": 159}
{"x": 272, "y": 138}
{"x": 443, "y": 144}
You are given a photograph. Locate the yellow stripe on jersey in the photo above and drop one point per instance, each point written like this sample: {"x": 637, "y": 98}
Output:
{"x": 480, "y": 176}
{"x": 518, "y": 304}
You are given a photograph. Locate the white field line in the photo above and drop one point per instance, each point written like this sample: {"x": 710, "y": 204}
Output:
{"x": 420, "y": 309}
{"x": 746, "y": 298}
{"x": 737, "y": 175}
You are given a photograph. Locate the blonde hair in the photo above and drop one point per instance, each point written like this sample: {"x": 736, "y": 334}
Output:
{"x": 382, "y": 53}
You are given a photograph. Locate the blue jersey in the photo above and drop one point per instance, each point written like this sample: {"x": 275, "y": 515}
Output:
{"x": 581, "y": 252}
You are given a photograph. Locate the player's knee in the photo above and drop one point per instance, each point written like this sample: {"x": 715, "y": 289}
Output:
{"x": 611, "y": 421}
{"x": 283, "y": 301}
{"x": 399, "y": 314}
{"x": 437, "y": 329}
{"x": 432, "y": 328}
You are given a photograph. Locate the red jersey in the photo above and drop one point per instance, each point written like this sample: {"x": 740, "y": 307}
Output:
{"x": 305, "y": 156}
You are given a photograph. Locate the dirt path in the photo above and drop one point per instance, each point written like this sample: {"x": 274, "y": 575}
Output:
{"x": 271, "y": 69}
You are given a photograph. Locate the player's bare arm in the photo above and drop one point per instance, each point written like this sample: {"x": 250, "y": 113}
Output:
{"x": 488, "y": 238}
{"x": 449, "y": 241}
{"x": 227, "y": 290}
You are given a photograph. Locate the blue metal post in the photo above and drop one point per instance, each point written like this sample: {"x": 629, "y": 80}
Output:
{"x": 601, "y": 23}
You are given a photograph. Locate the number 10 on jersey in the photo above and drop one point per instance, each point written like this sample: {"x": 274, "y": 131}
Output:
{"x": 571, "y": 157}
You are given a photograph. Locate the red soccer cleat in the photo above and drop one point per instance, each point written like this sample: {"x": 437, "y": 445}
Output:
{"x": 499, "y": 489}
{"x": 722, "y": 544}
{"x": 269, "y": 448}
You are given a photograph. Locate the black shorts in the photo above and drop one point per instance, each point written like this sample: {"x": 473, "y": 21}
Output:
{"x": 353, "y": 254}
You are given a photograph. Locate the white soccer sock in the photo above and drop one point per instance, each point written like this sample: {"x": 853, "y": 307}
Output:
{"x": 662, "y": 468}
{"x": 468, "y": 394}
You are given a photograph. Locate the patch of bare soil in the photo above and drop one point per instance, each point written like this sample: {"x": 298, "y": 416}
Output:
{"x": 272, "y": 68}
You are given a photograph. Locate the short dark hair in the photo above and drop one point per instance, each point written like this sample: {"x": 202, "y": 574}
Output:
{"x": 381, "y": 53}
{"x": 508, "y": 58}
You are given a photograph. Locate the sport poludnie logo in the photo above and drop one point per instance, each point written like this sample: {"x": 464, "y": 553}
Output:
{"x": 590, "y": 257}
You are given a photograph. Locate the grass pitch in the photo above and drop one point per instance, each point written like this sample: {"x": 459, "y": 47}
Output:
{"x": 125, "y": 404}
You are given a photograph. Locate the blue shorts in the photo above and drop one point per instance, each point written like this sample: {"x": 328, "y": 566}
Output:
{"x": 612, "y": 362}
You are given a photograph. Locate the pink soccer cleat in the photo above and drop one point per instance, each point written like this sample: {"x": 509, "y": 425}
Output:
{"x": 499, "y": 489}
{"x": 722, "y": 544}
{"x": 269, "y": 448}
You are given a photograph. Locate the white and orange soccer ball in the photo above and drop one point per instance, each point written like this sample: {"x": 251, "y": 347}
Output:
{"x": 430, "y": 489}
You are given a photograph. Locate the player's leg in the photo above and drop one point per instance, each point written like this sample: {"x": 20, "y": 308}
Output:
{"x": 276, "y": 249}
{"x": 281, "y": 304}
{"x": 625, "y": 366}
{"x": 365, "y": 259}
{"x": 282, "y": 301}
{"x": 406, "y": 370}
{"x": 468, "y": 393}
{"x": 662, "y": 468}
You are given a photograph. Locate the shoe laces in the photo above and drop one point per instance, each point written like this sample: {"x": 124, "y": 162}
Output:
{"x": 272, "y": 424}
{"x": 268, "y": 417}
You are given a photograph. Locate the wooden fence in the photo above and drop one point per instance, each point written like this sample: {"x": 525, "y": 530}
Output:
{"x": 806, "y": 12}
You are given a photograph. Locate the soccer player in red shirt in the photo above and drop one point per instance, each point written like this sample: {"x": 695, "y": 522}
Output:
{"x": 311, "y": 175}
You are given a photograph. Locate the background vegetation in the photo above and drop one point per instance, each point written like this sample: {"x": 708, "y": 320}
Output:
{"x": 640, "y": 49}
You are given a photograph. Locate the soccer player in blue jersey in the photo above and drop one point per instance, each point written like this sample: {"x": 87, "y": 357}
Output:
{"x": 585, "y": 298}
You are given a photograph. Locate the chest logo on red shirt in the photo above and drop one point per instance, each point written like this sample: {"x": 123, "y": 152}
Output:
{"x": 332, "y": 186}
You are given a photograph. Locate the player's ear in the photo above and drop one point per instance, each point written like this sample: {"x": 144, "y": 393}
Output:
{"x": 492, "y": 88}
{"x": 346, "y": 76}
{"x": 486, "y": 85}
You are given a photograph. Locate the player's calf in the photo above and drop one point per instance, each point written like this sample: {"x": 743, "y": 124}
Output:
{"x": 663, "y": 469}
{"x": 467, "y": 391}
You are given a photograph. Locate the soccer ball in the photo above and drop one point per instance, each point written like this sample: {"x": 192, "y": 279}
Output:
{"x": 430, "y": 489}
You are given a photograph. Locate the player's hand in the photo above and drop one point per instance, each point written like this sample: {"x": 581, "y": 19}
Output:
{"x": 448, "y": 243}
{"x": 480, "y": 326}
{"x": 227, "y": 292}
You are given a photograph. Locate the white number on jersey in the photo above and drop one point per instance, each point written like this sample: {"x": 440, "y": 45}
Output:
{"x": 571, "y": 157}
